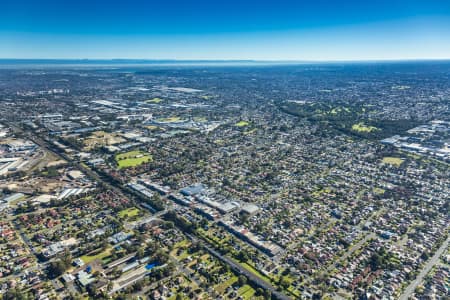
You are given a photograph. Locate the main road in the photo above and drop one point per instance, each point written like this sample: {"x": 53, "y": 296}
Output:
{"x": 93, "y": 175}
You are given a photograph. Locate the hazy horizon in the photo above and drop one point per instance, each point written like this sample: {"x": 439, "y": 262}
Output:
{"x": 201, "y": 30}
{"x": 175, "y": 60}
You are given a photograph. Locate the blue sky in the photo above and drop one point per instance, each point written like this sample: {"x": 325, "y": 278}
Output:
{"x": 267, "y": 30}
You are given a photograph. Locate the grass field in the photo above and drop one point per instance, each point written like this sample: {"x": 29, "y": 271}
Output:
{"x": 88, "y": 258}
{"x": 154, "y": 100}
{"x": 246, "y": 292}
{"x": 184, "y": 244}
{"x": 132, "y": 159}
{"x": 378, "y": 191}
{"x": 102, "y": 138}
{"x": 152, "y": 127}
{"x": 294, "y": 292}
{"x": 361, "y": 127}
{"x": 130, "y": 212}
{"x": 254, "y": 271}
{"x": 224, "y": 285}
{"x": 242, "y": 124}
{"x": 170, "y": 119}
{"x": 395, "y": 161}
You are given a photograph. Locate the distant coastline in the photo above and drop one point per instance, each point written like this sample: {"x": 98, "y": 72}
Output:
{"x": 117, "y": 63}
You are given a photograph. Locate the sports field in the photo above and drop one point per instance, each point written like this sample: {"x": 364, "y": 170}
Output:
{"x": 132, "y": 159}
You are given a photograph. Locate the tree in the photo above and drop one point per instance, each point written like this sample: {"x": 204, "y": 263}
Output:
{"x": 169, "y": 224}
{"x": 284, "y": 282}
{"x": 243, "y": 256}
{"x": 242, "y": 280}
{"x": 161, "y": 257}
{"x": 56, "y": 268}
{"x": 15, "y": 294}
{"x": 52, "y": 172}
{"x": 140, "y": 253}
{"x": 67, "y": 258}
{"x": 92, "y": 290}
{"x": 138, "y": 285}
{"x": 204, "y": 223}
{"x": 179, "y": 297}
